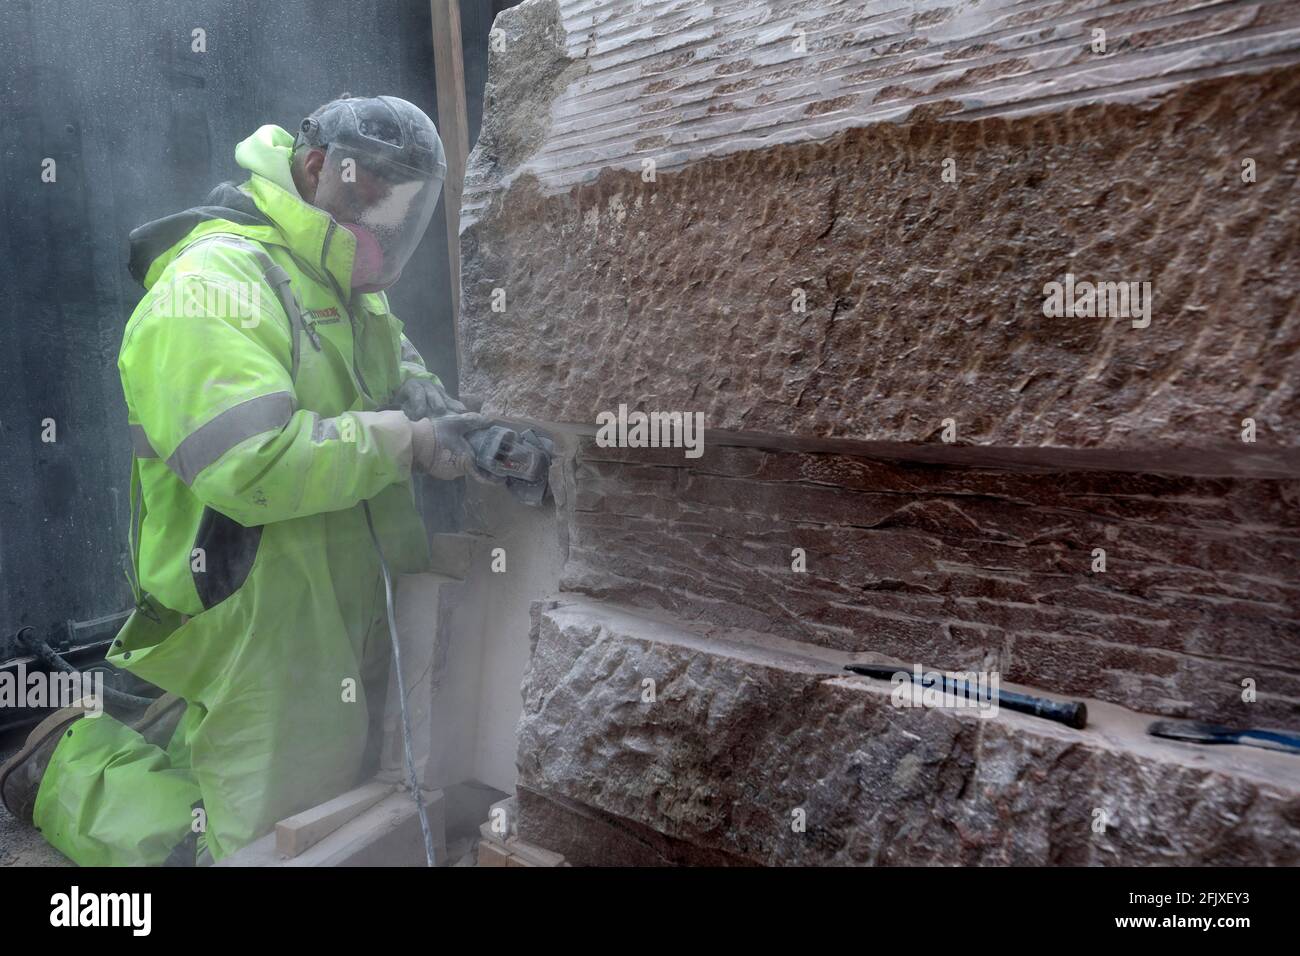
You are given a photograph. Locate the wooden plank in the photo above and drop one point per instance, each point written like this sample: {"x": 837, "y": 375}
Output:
{"x": 453, "y": 127}
{"x": 386, "y": 834}
{"x": 303, "y": 830}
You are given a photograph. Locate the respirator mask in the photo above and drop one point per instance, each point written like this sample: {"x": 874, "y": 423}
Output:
{"x": 382, "y": 175}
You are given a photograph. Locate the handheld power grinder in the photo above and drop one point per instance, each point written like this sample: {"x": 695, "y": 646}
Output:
{"x": 521, "y": 460}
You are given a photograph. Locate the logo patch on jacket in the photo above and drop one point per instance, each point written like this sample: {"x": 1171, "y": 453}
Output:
{"x": 324, "y": 316}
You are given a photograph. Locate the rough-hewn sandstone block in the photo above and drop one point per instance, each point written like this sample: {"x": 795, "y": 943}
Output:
{"x": 924, "y": 298}
{"x": 580, "y": 86}
{"x": 743, "y": 731}
{"x": 955, "y": 566}
{"x": 830, "y": 226}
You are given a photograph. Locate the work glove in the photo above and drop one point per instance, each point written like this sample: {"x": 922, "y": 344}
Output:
{"x": 439, "y": 448}
{"x": 419, "y": 398}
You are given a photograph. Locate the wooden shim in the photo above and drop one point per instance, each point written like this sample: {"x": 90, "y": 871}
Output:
{"x": 514, "y": 852}
{"x": 493, "y": 854}
{"x": 532, "y": 854}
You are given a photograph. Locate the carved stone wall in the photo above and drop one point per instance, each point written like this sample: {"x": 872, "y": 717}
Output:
{"x": 831, "y": 228}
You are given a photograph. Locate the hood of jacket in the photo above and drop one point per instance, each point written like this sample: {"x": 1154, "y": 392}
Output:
{"x": 266, "y": 208}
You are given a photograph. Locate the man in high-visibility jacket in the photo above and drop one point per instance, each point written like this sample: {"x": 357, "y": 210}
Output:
{"x": 256, "y": 372}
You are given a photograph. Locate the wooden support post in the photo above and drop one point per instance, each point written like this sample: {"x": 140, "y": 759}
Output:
{"x": 453, "y": 127}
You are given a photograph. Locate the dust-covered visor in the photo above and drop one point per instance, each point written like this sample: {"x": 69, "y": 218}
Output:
{"x": 388, "y": 201}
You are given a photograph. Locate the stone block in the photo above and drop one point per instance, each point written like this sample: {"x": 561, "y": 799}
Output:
{"x": 749, "y": 738}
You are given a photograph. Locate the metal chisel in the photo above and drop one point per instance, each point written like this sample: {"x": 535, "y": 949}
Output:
{"x": 1072, "y": 713}
{"x": 1194, "y": 732}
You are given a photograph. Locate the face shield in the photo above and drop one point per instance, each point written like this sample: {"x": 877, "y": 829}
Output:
{"x": 381, "y": 179}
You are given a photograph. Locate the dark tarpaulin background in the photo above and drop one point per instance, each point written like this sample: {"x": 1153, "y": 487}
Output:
{"x": 141, "y": 126}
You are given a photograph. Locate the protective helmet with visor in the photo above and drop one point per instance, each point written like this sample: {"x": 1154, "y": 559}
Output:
{"x": 382, "y": 175}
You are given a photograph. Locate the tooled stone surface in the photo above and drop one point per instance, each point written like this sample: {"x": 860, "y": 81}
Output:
{"x": 739, "y": 736}
{"x": 923, "y": 302}
{"x": 924, "y": 298}
{"x": 956, "y": 567}
{"x": 678, "y": 81}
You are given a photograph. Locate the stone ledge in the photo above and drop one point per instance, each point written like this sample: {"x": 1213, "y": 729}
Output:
{"x": 746, "y": 729}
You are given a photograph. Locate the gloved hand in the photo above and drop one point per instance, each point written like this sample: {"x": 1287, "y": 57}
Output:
{"x": 420, "y": 398}
{"x": 439, "y": 447}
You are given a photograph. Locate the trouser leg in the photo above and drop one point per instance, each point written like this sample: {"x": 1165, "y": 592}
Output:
{"x": 111, "y": 798}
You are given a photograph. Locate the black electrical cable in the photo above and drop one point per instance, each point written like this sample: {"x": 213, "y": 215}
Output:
{"x": 53, "y": 660}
